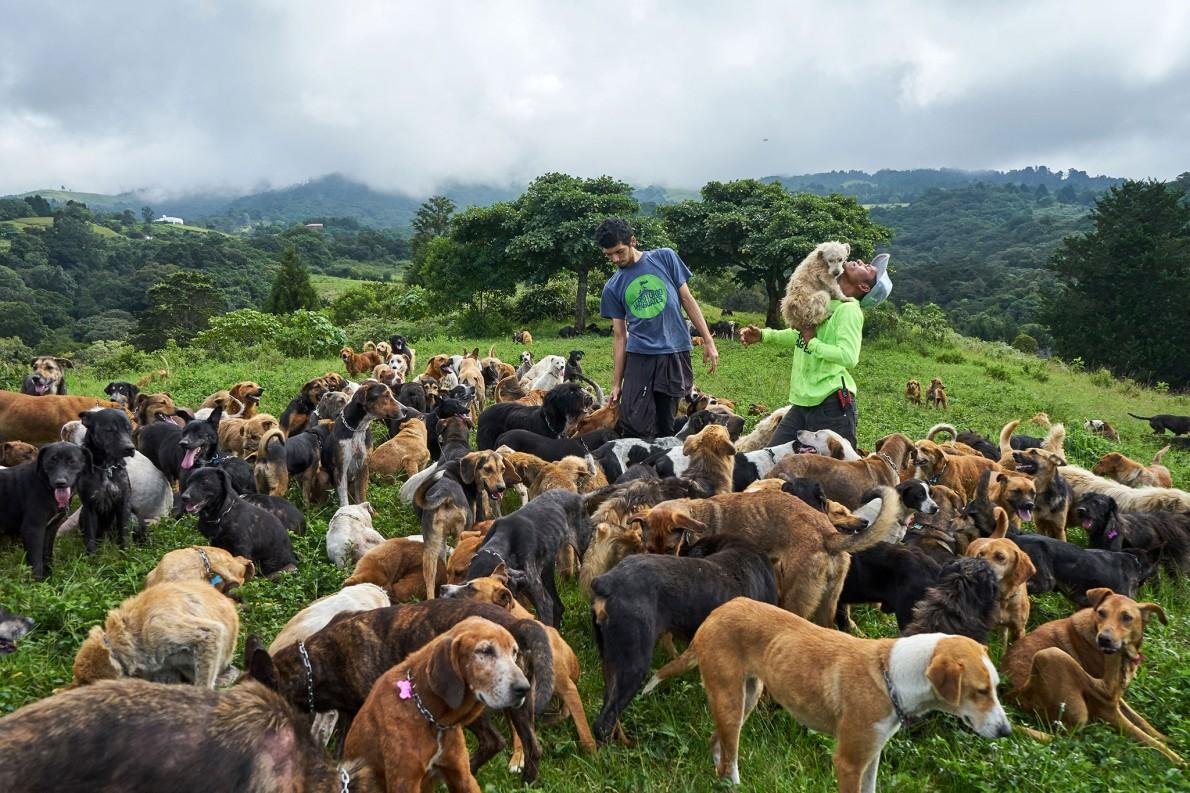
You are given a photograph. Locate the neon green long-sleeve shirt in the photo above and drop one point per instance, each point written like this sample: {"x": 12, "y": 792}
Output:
{"x": 834, "y": 349}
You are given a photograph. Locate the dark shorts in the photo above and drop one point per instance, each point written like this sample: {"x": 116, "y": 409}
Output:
{"x": 826, "y": 416}
{"x": 653, "y": 384}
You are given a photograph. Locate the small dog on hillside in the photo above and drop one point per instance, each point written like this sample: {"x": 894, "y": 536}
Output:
{"x": 936, "y": 394}
{"x": 1102, "y": 429}
{"x": 913, "y": 392}
{"x": 813, "y": 284}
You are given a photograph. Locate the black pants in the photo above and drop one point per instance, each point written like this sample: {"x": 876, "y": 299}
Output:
{"x": 653, "y": 384}
{"x": 825, "y": 416}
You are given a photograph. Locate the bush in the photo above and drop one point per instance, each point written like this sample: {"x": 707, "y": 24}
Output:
{"x": 883, "y": 322}
{"x": 309, "y": 334}
{"x": 1103, "y": 378}
{"x": 493, "y": 322}
{"x": 553, "y": 300}
{"x": 1025, "y": 343}
{"x": 396, "y": 301}
{"x": 231, "y": 333}
{"x": 114, "y": 360}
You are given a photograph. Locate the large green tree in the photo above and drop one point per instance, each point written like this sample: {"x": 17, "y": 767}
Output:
{"x": 179, "y": 308}
{"x": 292, "y": 289}
{"x": 1119, "y": 293}
{"x": 432, "y": 220}
{"x": 761, "y": 232}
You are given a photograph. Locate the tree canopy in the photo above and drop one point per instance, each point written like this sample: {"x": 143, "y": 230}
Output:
{"x": 292, "y": 289}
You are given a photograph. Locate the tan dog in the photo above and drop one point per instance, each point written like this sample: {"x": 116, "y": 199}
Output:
{"x": 271, "y": 471}
{"x": 395, "y": 566}
{"x": 38, "y": 419}
{"x": 387, "y": 375}
{"x": 1013, "y": 570}
{"x": 213, "y": 566}
{"x": 409, "y": 729}
{"x": 437, "y": 367}
{"x": 599, "y": 419}
{"x": 936, "y": 394}
{"x": 958, "y": 472}
{"x": 471, "y": 374}
{"x": 16, "y": 452}
{"x": 846, "y": 481}
{"x": 465, "y": 550}
{"x": 523, "y": 337}
{"x": 248, "y": 393}
{"x": 841, "y": 518}
{"x": 527, "y": 466}
{"x": 1054, "y": 498}
{"x": 575, "y": 474}
{"x": 48, "y": 376}
{"x": 858, "y": 690}
{"x": 405, "y": 453}
{"x": 810, "y": 557}
{"x": 150, "y": 408}
{"x": 494, "y": 589}
{"x": 610, "y": 543}
{"x": 509, "y": 389}
{"x": 314, "y": 617}
{"x": 176, "y": 630}
{"x": 813, "y": 284}
{"x": 232, "y": 407}
{"x": 1114, "y": 465}
{"x": 761, "y": 436}
{"x": 913, "y": 392}
{"x": 357, "y": 363}
{"x": 241, "y": 437}
{"x": 1077, "y": 669}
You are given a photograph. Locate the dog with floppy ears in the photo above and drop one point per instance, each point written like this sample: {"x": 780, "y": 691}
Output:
{"x": 859, "y": 690}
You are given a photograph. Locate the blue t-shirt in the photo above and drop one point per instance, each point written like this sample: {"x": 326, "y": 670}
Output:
{"x": 645, "y": 294}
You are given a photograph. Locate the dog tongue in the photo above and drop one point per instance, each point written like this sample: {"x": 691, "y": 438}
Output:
{"x": 1087, "y": 524}
{"x": 188, "y": 458}
{"x": 1026, "y": 514}
{"x": 62, "y": 496}
{"x": 41, "y": 389}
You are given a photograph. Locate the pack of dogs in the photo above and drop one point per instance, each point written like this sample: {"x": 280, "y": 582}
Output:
{"x": 745, "y": 551}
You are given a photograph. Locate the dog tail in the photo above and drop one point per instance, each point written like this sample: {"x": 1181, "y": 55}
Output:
{"x": 886, "y": 522}
{"x": 1142, "y": 418}
{"x": 492, "y": 351}
{"x": 937, "y": 428}
{"x": 1157, "y": 457}
{"x": 1006, "y": 437}
{"x": 1001, "y": 523}
{"x": 272, "y": 443}
{"x": 678, "y": 666}
{"x": 1055, "y": 439}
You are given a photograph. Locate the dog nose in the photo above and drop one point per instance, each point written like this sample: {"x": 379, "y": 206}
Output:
{"x": 1004, "y": 729}
{"x": 1028, "y": 505}
{"x": 520, "y": 689}
{"x": 1106, "y": 642}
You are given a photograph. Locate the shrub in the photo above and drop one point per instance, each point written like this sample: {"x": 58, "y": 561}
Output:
{"x": 397, "y": 301}
{"x": 1025, "y": 343}
{"x": 489, "y": 322}
{"x": 309, "y": 334}
{"x": 950, "y": 356}
{"x": 928, "y": 321}
{"x": 553, "y": 300}
{"x": 1161, "y": 387}
{"x": 1103, "y": 378}
{"x": 883, "y": 322}
{"x": 231, "y": 333}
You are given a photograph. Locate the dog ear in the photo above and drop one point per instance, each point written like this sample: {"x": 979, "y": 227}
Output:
{"x": 65, "y": 363}
{"x": 469, "y": 468}
{"x": 185, "y": 414}
{"x": 140, "y": 400}
{"x": 689, "y": 523}
{"x": 511, "y": 477}
{"x": 1150, "y": 610}
{"x": 946, "y": 676}
{"x": 215, "y": 416}
{"x": 1098, "y": 595}
{"x": 504, "y": 598}
{"x": 500, "y": 573}
{"x": 249, "y": 568}
{"x": 445, "y": 679}
{"x": 258, "y": 664}
{"x": 1024, "y": 569}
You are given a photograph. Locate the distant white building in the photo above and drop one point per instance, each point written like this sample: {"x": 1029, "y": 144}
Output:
{"x": 168, "y": 219}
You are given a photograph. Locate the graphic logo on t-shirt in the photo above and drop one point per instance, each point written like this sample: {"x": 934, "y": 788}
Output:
{"x": 646, "y": 296}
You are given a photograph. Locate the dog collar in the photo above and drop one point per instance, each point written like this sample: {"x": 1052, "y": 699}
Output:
{"x": 344, "y": 781}
{"x": 933, "y": 480}
{"x": 108, "y": 470}
{"x": 407, "y": 690}
{"x": 888, "y": 460}
{"x": 214, "y": 578}
{"x": 219, "y": 458}
{"x": 309, "y": 677}
{"x": 498, "y": 556}
{"x": 904, "y": 718}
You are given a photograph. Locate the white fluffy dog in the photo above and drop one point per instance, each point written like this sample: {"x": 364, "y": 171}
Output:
{"x": 813, "y": 284}
{"x": 829, "y": 443}
{"x": 551, "y": 376}
{"x": 350, "y": 535}
{"x": 546, "y": 365}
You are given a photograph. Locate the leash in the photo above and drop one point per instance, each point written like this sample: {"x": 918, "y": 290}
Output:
{"x": 309, "y": 680}
{"x": 214, "y": 578}
{"x": 904, "y": 718}
{"x": 407, "y": 690}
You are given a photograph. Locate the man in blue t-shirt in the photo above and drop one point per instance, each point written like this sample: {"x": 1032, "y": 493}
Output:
{"x": 651, "y": 343}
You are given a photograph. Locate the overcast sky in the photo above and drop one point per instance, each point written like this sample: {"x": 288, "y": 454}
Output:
{"x": 109, "y": 96}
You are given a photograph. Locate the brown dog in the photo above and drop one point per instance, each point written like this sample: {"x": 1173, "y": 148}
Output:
{"x": 1102, "y": 429}
{"x": 271, "y": 471}
{"x": 241, "y": 437}
{"x": 150, "y": 408}
{"x": 575, "y": 474}
{"x": 913, "y": 392}
{"x": 1077, "y": 669}
{"x": 1114, "y": 465}
{"x": 494, "y": 589}
{"x": 358, "y": 363}
{"x": 959, "y": 472}
{"x": 437, "y": 367}
{"x": 468, "y": 545}
{"x": 405, "y": 453}
{"x": 471, "y": 374}
{"x": 810, "y": 557}
{"x": 936, "y": 394}
{"x": 409, "y": 730}
{"x": 395, "y": 566}
{"x": 38, "y": 419}
{"x": 846, "y": 481}
{"x": 523, "y": 337}
{"x": 48, "y": 376}
{"x": 601, "y": 418}
{"x": 206, "y": 563}
{"x": 183, "y": 631}
{"x": 859, "y": 690}
{"x": 609, "y": 544}
{"x": 1013, "y": 569}
{"x": 248, "y": 393}
{"x": 16, "y": 452}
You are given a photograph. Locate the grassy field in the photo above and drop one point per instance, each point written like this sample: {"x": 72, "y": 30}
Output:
{"x": 669, "y": 729}
{"x": 330, "y": 287}
{"x": 46, "y": 222}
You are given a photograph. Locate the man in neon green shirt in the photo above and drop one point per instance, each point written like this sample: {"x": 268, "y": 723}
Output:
{"x": 821, "y": 389}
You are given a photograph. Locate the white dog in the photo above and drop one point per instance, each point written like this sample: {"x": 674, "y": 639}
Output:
{"x": 314, "y": 617}
{"x": 828, "y": 443}
{"x": 547, "y": 364}
{"x": 813, "y": 284}
{"x": 552, "y": 376}
{"x": 350, "y": 535}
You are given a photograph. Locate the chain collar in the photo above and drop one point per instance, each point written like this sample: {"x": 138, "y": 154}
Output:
{"x": 344, "y": 781}
{"x": 309, "y": 679}
{"x": 409, "y": 691}
{"x": 904, "y": 718}
{"x": 498, "y": 556}
{"x": 214, "y": 578}
{"x": 888, "y": 460}
{"x": 109, "y": 470}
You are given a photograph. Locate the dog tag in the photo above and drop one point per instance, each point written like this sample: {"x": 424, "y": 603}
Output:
{"x": 405, "y": 689}
{"x": 216, "y": 580}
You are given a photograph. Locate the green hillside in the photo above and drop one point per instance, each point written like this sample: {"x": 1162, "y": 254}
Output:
{"x": 47, "y": 222}
{"x": 668, "y": 729}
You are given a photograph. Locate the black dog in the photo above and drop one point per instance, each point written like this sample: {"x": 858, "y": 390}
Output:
{"x": 1161, "y": 536}
{"x": 123, "y": 392}
{"x": 574, "y": 370}
{"x": 704, "y": 418}
{"x": 1178, "y": 425}
{"x": 303, "y": 450}
{"x": 292, "y": 519}
{"x": 104, "y": 489}
{"x": 723, "y": 330}
{"x": 1071, "y": 570}
{"x": 412, "y": 394}
{"x": 963, "y": 601}
{"x": 564, "y": 403}
{"x": 554, "y": 449}
{"x": 895, "y": 576}
{"x": 648, "y": 595}
{"x": 443, "y": 410}
{"x": 527, "y": 543}
{"x": 178, "y": 451}
{"x": 979, "y": 444}
{"x": 230, "y": 523}
{"x": 12, "y": 628}
{"x": 568, "y": 332}
{"x": 34, "y": 497}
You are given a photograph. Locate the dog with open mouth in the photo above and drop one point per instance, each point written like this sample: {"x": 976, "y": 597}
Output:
{"x": 34, "y": 498}
{"x": 48, "y": 376}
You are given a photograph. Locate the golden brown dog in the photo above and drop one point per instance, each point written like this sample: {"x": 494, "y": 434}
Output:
{"x": 395, "y": 566}
{"x": 358, "y": 363}
{"x": 178, "y": 630}
{"x": 213, "y": 566}
{"x": 150, "y": 408}
{"x": 509, "y": 389}
{"x": 1016, "y": 494}
{"x": 523, "y": 337}
{"x": 405, "y": 453}
{"x": 241, "y": 437}
{"x": 38, "y": 419}
{"x": 609, "y": 544}
{"x": 16, "y": 452}
{"x": 494, "y": 589}
{"x": 232, "y": 407}
{"x": 270, "y": 470}
{"x": 936, "y": 394}
{"x": 840, "y": 517}
{"x": 48, "y": 376}
{"x": 387, "y": 375}
{"x": 409, "y": 730}
{"x": 598, "y": 419}
{"x": 437, "y": 367}
{"x": 1054, "y": 500}
{"x": 959, "y": 472}
{"x": 575, "y": 474}
{"x": 913, "y": 392}
{"x": 249, "y": 393}
{"x": 1078, "y": 669}
{"x": 810, "y": 557}
{"x": 859, "y": 690}
{"x": 1115, "y": 465}
{"x": 1013, "y": 570}
{"x": 846, "y": 481}
{"x": 460, "y": 557}
{"x": 471, "y": 374}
